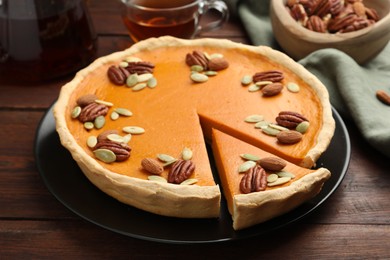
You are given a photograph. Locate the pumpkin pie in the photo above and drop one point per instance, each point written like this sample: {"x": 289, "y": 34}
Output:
{"x": 137, "y": 123}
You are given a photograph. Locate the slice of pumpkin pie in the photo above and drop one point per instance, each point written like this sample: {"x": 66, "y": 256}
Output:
{"x": 136, "y": 121}
{"x": 258, "y": 185}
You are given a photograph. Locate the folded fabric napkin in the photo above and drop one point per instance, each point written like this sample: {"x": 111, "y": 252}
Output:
{"x": 351, "y": 87}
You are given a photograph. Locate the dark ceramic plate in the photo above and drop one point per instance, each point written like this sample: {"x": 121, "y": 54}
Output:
{"x": 68, "y": 184}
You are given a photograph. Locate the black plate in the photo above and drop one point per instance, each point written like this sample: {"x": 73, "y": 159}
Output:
{"x": 67, "y": 183}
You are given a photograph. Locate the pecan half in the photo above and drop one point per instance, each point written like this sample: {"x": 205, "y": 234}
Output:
{"x": 117, "y": 75}
{"x": 197, "y": 58}
{"x": 321, "y": 8}
{"x": 92, "y": 111}
{"x": 290, "y": 119}
{"x": 140, "y": 67}
{"x": 270, "y": 75}
{"x": 254, "y": 180}
{"x": 121, "y": 150}
{"x": 358, "y": 24}
{"x": 316, "y": 24}
{"x": 339, "y": 23}
{"x": 180, "y": 171}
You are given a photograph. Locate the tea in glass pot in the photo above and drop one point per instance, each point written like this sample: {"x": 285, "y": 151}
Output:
{"x": 44, "y": 39}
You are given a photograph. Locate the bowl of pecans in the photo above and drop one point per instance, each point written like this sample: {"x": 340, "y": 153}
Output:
{"x": 360, "y": 28}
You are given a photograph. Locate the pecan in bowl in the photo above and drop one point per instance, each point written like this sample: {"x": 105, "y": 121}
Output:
{"x": 361, "y": 29}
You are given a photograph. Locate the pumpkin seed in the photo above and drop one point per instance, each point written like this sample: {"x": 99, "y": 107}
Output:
{"x": 197, "y": 68}
{"x": 99, "y": 122}
{"x": 254, "y": 118}
{"x": 293, "y": 87}
{"x": 199, "y": 78}
{"x": 105, "y": 155}
{"x": 272, "y": 177}
{"x": 145, "y": 77}
{"x": 278, "y": 127}
{"x": 139, "y": 86}
{"x": 302, "y": 127}
{"x": 186, "y": 154}
{"x": 279, "y": 181}
{"x": 262, "y": 124}
{"x": 114, "y": 115}
{"x": 189, "y": 181}
{"x": 89, "y": 125}
{"x": 165, "y": 157}
{"x": 285, "y": 174}
{"x": 216, "y": 55}
{"x": 157, "y": 178}
{"x": 246, "y": 80}
{"x": 91, "y": 141}
{"x": 169, "y": 163}
{"x": 207, "y": 55}
{"x": 123, "y": 64}
{"x": 123, "y": 111}
{"x": 270, "y": 131}
{"x": 152, "y": 82}
{"x": 132, "y": 80}
{"x": 127, "y": 138}
{"x": 210, "y": 73}
{"x": 115, "y": 138}
{"x": 102, "y": 102}
{"x": 246, "y": 166}
{"x": 263, "y": 83}
{"x": 253, "y": 88}
{"x": 250, "y": 157}
{"x": 76, "y": 112}
{"x": 133, "y": 130}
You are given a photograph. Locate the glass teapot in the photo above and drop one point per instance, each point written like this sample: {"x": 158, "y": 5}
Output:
{"x": 43, "y": 39}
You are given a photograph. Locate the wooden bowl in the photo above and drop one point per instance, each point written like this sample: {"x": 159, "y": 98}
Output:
{"x": 361, "y": 45}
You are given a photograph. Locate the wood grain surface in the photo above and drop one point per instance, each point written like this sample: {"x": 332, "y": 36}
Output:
{"x": 354, "y": 223}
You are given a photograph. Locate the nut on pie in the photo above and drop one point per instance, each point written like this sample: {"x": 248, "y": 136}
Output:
{"x": 137, "y": 123}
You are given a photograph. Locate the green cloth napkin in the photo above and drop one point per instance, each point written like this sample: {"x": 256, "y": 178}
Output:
{"x": 351, "y": 87}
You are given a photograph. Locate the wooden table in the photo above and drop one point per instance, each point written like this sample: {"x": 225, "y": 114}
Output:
{"x": 353, "y": 223}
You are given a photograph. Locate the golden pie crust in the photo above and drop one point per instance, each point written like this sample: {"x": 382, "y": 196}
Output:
{"x": 126, "y": 182}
